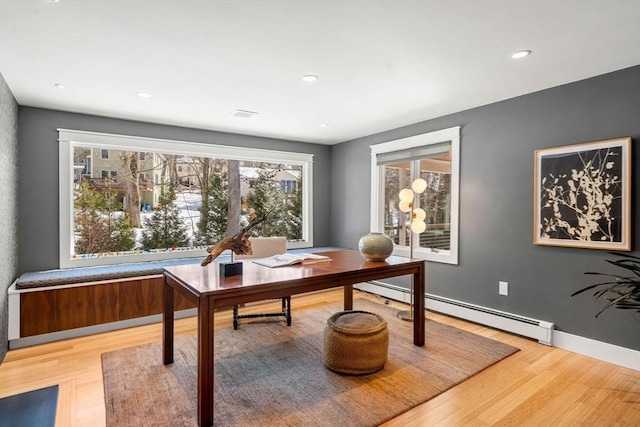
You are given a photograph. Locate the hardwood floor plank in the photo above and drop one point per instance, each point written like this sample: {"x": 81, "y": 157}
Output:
{"x": 537, "y": 386}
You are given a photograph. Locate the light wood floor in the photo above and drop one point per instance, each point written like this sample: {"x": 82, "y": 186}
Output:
{"x": 538, "y": 386}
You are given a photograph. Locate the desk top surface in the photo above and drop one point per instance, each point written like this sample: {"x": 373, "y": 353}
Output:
{"x": 345, "y": 266}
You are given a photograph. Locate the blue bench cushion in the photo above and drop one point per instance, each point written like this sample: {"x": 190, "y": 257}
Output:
{"x": 68, "y": 276}
{"x": 93, "y": 274}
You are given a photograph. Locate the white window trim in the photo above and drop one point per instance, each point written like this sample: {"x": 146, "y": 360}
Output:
{"x": 68, "y": 139}
{"x": 451, "y": 135}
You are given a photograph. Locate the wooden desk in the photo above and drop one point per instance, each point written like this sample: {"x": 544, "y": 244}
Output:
{"x": 204, "y": 287}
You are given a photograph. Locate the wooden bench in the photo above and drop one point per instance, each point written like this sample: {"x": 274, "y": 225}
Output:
{"x": 59, "y": 304}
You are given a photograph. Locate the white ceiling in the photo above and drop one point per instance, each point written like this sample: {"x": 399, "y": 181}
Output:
{"x": 382, "y": 64}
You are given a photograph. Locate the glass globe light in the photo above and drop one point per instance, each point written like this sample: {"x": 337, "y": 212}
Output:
{"x": 418, "y": 226}
{"x": 419, "y": 185}
{"x": 419, "y": 214}
{"x": 406, "y": 194}
{"x": 405, "y": 205}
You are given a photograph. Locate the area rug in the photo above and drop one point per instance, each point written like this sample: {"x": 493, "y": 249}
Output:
{"x": 33, "y": 408}
{"x": 268, "y": 374}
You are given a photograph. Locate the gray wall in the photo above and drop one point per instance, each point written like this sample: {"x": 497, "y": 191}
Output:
{"x": 8, "y": 204}
{"x": 38, "y": 186}
{"x": 497, "y": 146}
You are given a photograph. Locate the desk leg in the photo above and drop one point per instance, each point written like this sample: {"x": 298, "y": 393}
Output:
{"x": 167, "y": 323}
{"x": 419, "y": 307}
{"x": 205, "y": 362}
{"x": 348, "y": 297}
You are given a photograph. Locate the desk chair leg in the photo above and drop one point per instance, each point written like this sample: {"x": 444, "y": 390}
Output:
{"x": 286, "y": 313}
{"x": 235, "y": 317}
{"x": 286, "y": 308}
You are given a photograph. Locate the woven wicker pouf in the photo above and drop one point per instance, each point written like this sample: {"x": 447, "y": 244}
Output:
{"x": 355, "y": 342}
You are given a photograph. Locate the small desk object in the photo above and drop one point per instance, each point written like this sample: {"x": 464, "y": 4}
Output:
{"x": 208, "y": 290}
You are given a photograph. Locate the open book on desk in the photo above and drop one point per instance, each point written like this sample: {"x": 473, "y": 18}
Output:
{"x": 282, "y": 260}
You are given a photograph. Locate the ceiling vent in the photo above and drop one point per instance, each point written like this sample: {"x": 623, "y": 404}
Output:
{"x": 244, "y": 113}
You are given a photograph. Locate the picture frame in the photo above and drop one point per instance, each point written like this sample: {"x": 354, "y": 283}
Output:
{"x": 582, "y": 195}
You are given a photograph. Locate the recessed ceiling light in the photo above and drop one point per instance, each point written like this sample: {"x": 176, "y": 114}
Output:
{"x": 144, "y": 95}
{"x": 310, "y": 78}
{"x": 324, "y": 125}
{"x": 59, "y": 86}
{"x": 520, "y": 54}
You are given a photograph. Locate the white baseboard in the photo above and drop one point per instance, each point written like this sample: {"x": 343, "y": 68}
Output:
{"x": 606, "y": 352}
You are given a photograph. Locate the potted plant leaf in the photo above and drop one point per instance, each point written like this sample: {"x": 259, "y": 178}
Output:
{"x": 622, "y": 290}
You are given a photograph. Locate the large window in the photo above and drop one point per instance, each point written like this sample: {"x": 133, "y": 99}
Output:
{"x": 435, "y": 158}
{"x": 131, "y": 199}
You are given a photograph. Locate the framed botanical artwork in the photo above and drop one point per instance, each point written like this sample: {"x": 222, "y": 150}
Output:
{"x": 582, "y": 195}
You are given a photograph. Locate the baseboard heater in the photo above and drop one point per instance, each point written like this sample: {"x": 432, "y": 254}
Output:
{"x": 537, "y": 329}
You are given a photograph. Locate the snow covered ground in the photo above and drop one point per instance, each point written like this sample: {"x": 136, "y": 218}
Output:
{"x": 189, "y": 204}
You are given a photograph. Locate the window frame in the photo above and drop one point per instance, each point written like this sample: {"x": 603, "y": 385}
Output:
{"x": 450, "y": 135}
{"x": 69, "y": 139}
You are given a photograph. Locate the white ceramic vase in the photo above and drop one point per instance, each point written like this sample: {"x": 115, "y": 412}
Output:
{"x": 375, "y": 246}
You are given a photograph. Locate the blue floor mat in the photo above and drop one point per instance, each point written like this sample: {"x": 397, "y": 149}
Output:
{"x": 30, "y": 409}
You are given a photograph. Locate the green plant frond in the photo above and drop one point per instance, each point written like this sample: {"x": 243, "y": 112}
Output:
{"x": 602, "y": 292}
{"x": 631, "y": 263}
{"x": 625, "y": 263}
{"x": 633, "y": 266}
{"x": 623, "y": 284}
{"x": 624, "y": 255}
{"x": 612, "y": 302}
{"x": 629, "y": 303}
{"x": 584, "y": 289}
{"x": 621, "y": 292}
{"x": 616, "y": 276}
{"x": 607, "y": 306}
{"x": 622, "y": 296}
{"x": 630, "y": 281}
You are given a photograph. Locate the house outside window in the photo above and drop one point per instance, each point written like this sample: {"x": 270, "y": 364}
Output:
{"x": 288, "y": 186}
{"x": 105, "y": 154}
{"x": 108, "y": 174}
{"x": 196, "y": 193}
{"x": 435, "y": 158}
